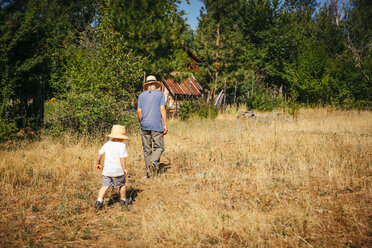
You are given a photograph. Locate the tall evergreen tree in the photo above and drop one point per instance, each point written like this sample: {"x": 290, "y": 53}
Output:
{"x": 237, "y": 40}
{"x": 30, "y": 32}
{"x": 219, "y": 39}
{"x": 154, "y": 29}
{"x": 359, "y": 44}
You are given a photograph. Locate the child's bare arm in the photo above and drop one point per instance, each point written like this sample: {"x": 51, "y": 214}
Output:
{"x": 123, "y": 162}
{"x": 99, "y": 167}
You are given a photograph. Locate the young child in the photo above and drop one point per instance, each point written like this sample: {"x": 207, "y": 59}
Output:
{"x": 115, "y": 168}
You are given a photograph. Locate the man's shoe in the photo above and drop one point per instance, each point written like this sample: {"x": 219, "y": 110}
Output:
{"x": 98, "y": 205}
{"x": 154, "y": 169}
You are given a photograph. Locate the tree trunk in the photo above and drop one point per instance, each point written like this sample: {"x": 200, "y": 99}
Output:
{"x": 357, "y": 58}
{"x": 236, "y": 85}
{"x": 39, "y": 103}
{"x": 217, "y": 59}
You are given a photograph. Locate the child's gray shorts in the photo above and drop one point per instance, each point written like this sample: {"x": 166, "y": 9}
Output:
{"x": 115, "y": 182}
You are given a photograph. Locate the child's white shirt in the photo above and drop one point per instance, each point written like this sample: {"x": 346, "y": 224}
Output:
{"x": 113, "y": 152}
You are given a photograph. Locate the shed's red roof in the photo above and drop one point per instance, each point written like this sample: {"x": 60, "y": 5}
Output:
{"x": 188, "y": 86}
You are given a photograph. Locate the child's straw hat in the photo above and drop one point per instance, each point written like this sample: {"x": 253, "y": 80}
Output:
{"x": 151, "y": 80}
{"x": 118, "y": 132}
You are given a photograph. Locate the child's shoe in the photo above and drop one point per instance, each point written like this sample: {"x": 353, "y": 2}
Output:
{"x": 98, "y": 205}
{"x": 125, "y": 202}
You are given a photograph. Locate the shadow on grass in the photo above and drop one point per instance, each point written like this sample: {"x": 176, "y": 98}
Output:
{"x": 131, "y": 193}
{"x": 163, "y": 168}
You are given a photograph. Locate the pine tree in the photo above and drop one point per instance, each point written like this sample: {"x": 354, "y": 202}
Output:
{"x": 30, "y": 32}
{"x": 154, "y": 29}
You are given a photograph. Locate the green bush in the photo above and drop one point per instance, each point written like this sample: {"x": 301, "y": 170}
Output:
{"x": 199, "y": 108}
{"x": 362, "y": 105}
{"x": 186, "y": 110}
{"x": 100, "y": 62}
{"x": 263, "y": 100}
{"x": 86, "y": 113}
{"x": 8, "y": 116}
{"x": 205, "y": 110}
{"x": 7, "y": 129}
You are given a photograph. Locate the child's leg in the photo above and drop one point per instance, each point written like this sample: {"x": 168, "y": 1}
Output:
{"x": 122, "y": 192}
{"x": 102, "y": 192}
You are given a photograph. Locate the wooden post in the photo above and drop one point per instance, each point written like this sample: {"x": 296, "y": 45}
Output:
{"x": 236, "y": 86}
{"x": 215, "y": 86}
{"x": 224, "y": 98}
{"x": 176, "y": 105}
{"x": 218, "y": 100}
{"x": 190, "y": 99}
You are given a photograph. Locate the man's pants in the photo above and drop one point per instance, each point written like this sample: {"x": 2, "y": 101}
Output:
{"x": 153, "y": 147}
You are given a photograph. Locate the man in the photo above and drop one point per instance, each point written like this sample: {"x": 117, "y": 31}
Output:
{"x": 151, "y": 112}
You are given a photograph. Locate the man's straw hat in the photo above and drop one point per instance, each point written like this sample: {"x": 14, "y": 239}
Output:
{"x": 118, "y": 132}
{"x": 151, "y": 80}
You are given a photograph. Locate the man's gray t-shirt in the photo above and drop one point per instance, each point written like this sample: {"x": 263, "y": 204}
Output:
{"x": 150, "y": 101}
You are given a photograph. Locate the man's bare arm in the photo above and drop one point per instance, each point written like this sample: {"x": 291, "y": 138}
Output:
{"x": 139, "y": 114}
{"x": 163, "y": 113}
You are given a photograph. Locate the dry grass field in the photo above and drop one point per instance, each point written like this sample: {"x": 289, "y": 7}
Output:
{"x": 262, "y": 182}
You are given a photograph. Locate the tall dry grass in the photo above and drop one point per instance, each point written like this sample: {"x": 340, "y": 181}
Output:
{"x": 263, "y": 182}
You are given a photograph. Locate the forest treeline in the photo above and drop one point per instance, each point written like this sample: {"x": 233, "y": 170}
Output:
{"x": 89, "y": 57}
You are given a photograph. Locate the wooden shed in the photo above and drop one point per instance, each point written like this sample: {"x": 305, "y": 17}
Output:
{"x": 176, "y": 93}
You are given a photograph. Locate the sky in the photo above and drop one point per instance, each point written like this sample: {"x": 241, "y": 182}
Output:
{"x": 192, "y": 12}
